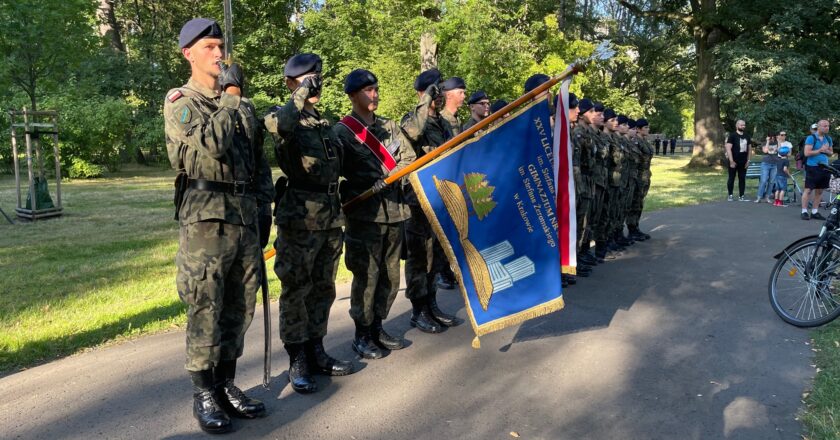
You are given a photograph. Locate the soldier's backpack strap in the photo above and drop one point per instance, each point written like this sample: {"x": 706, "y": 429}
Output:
{"x": 367, "y": 138}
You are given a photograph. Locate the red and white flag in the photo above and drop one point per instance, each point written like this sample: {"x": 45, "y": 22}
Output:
{"x": 564, "y": 182}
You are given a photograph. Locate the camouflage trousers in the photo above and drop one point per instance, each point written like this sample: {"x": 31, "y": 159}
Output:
{"x": 306, "y": 264}
{"x": 638, "y": 204}
{"x": 219, "y": 272}
{"x": 373, "y": 256}
{"x": 425, "y": 257}
{"x": 628, "y": 192}
{"x": 582, "y": 206}
{"x": 596, "y": 211}
{"x": 618, "y": 197}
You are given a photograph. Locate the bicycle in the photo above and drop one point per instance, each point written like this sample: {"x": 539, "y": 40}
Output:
{"x": 804, "y": 285}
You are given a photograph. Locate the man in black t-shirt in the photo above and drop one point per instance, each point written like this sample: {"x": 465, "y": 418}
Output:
{"x": 738, "y": 153}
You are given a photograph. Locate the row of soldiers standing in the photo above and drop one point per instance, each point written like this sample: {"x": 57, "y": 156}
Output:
{"x": 225, "y": 191}
{"x": 611, "y": 161}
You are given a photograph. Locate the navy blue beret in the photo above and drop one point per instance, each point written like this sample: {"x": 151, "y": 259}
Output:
{"x": 535, "y": 81}
{"x": 573, "y": 101}
{"x": 631, "y": 123}
{"x": 498, "y": 105}
{"x": 427, "y": 78}
{"x": 599, "y": 107}
{"x": 477, "y": 96}
{"x": 609, "y": 114}
{"x": 585, "y": 105}
{"x": 301, "y": 64}
{"x": 359, "y": 79}
{"x": 622, "y": 120}
{"x": 642, "y": 122}
{"x": 198, "y": 28}
{"x": 452, "y": 84}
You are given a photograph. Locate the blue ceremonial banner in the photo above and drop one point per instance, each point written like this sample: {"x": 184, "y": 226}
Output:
{"x": 491, "y": 202}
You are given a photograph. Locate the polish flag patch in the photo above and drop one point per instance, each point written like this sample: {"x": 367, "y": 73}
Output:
{"x": 174, "y": 96}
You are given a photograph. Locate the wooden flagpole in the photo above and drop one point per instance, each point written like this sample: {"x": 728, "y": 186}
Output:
{"x": 464, "y": 135}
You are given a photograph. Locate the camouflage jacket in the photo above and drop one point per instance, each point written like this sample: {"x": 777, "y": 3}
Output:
{"x": 470, "y": 122}
{"x": 308, "y": 154}
{"x": 628, "y": 164}
{"x": 425, "y": 133}
{"x": 600, "y": 170}
{"x": 362, "y": 169}
{"x": 217, "y": 137}
{"x": 634, "y": 156}
{"x": 452, "y": 120}
{"x": 647, "y": 156}
{"x": 615, "y": 161}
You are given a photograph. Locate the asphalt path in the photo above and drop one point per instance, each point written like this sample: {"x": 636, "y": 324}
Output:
{"x": 674, "y": 339}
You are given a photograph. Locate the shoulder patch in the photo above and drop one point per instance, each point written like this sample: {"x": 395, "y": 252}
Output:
{"x": 174, "y": 96}
{"x": 183, "y": 114}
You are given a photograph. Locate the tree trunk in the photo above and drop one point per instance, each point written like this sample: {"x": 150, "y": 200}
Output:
{"x": 708, "y": 128}
{"x": 428, "y": 51}
{"x": 109, "y": 27}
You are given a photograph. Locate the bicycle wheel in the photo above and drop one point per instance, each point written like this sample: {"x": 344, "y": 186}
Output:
{"x": 805, "y": 291}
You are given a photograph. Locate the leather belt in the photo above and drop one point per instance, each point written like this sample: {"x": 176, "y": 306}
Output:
{"x": 330, "y": 189}
{"x": 237, "y": 188}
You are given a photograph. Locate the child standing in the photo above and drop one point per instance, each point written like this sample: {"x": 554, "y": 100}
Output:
{"x": 782, "y": 174}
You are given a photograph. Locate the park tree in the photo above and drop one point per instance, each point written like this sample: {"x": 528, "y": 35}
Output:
{"x": 43, "y": 42}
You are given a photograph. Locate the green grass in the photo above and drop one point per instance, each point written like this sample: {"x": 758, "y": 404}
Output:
{"x": 102, "y": 272}
{"x": 672, "y": 185}
{"x": 822, "y": 405}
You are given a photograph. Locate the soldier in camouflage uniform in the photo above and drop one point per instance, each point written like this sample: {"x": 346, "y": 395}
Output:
{"x": 479, "y": 104}
{"x": 629, "y": 171}
{"x": 599, "y": 180}
{"x": 615, "y": 162}
{"x": 426, "y": 130}
{"x": 584, "y": 264}
{"x": 374, "y": 227}
{"x": 309, "y": 220}
{"x": 454, "y": 93}
{"x": 644, "y": 182}
{"x": 584, "y": 149}
{"x": 214, "y": 141}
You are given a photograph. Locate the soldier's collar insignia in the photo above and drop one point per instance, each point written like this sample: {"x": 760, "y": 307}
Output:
{"x": 185, "y": 115}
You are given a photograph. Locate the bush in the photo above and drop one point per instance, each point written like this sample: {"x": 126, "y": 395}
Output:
{"x": 82, "y": 169}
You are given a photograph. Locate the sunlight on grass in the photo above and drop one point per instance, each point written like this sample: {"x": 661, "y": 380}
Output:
{"x": 103, "y": 271}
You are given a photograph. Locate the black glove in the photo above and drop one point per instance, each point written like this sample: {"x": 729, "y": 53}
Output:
{"x": 313, "y": 83}
{"x": 433, "y": 91}
{"x": 231, "y": 76}
{"x": 379, "y": 185}
{"x": 264, "y": 225}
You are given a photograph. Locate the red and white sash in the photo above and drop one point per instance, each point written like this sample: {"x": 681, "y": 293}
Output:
{"x": 366, "y": 137}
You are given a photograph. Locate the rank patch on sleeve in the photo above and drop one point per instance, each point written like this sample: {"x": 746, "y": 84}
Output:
{"x": 174, "y": 96}
{"x": 184, "y": 115}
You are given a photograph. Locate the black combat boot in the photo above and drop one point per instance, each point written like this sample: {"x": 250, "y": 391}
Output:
{"x": 364, "y": 345}
{"x": 322, "y": 363}
{"x": 444, "y": 318}
{"x": 637, "y": 234}
{"x": 422, "y": 318}
{"x": 622, "y": 240}
{"x": 569, "y": 279}
{"x": 383, "y": 339}
{"x": 587, "y": 259}
{"x": 299, "y": 374}
{"x": 211, "y": 418}
{"x": 230, "y": 397}
{"x": 600, "y": 251}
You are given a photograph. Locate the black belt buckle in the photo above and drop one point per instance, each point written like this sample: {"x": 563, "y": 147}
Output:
{"x": 332, "y": 188}
{"x": 239, "y": 188}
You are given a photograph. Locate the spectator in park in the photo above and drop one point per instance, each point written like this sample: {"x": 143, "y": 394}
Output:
{"x": 738, "y": 153}
{"x": 782, "y": 172}
{"x": 818, "y": 149}
{"x": 673, "y": 145}
{"x": 800, "y": 155}
{"x": 657, "y": 143}
{"x": 768, "y": 168}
